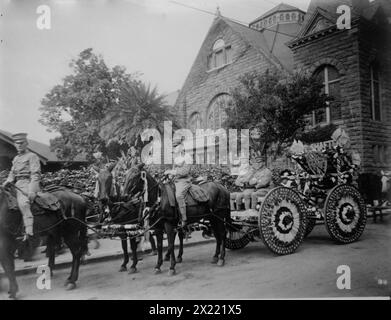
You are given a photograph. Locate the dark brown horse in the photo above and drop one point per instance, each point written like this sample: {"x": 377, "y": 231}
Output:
{"x": 67, "y": 223}
{"x": 165, "y": 217}
{"x": 127, "y": 212}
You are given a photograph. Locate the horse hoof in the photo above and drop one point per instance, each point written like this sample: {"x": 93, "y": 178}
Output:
{"x": 214, "y": 260}
{"x": 179, "y": 260}
{"x": 132, "y": 270}
{"x": 157, "y": 271}
{"x": 171, "y": 272}
{"x": 221, "y": 262}
{"x": 122, "y": 269}
{"x": 71, "y": 286}
{"x": 66, "y": 282}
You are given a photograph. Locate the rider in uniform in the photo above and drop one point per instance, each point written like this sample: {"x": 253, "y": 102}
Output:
{"x": 181, "y": 172}
{"x": 26, "y": 174}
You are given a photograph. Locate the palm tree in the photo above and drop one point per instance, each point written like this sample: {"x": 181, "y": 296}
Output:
{"x": 137, "y": 107}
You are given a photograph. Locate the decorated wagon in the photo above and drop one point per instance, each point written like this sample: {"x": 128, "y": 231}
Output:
{"x": 320, "y": 187}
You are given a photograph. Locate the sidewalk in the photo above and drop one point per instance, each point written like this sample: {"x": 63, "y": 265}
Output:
{"x": 108, "y": 249}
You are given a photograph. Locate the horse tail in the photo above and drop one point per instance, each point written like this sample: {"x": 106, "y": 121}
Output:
{"x": 228, "y": 218}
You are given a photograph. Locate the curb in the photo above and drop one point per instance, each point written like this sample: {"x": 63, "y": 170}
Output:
{"x": 108, "y": 257}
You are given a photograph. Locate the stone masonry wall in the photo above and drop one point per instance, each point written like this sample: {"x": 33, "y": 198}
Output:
{"x": 375, "y": 47}
{"x": 202, "y": 85}
{"x": 345, "y": 50}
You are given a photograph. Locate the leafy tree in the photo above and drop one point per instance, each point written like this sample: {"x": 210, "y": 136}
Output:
{"x": 275, "y": 107}
{"x": 99, "y": 109}
{"x": 76, "y": 107}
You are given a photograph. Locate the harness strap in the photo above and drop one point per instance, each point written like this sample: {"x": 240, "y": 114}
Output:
{"x": 144, "y": 178}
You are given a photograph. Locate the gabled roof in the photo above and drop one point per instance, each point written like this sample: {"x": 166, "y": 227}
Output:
{"x": 319, "y": 13}
{"x": 327, "y": 9}
{"x": 255, "y": 38}
{"x": 280, "y": 8}
{"x": 249, "y": 36}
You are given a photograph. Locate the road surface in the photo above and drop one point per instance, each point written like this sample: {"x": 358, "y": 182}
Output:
{"x": 250, "y": 273}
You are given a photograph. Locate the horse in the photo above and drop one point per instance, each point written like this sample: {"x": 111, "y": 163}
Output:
{"x": 67, "y": 223}
{"x": 118, "y": 213}
{"x": 375, "y": 188}
{"x": 163, "y": 216}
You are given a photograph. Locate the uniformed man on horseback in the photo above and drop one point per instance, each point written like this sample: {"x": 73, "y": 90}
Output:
{"x": 181, "y": 172}
{"x": 26, "y": 174}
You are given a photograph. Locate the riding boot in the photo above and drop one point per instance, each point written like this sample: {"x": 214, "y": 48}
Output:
{"x": 28, "y": 243}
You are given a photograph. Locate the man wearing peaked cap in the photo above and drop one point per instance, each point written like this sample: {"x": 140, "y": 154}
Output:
{"x": 181, "y": 172}
{"x": 26, "y": 174}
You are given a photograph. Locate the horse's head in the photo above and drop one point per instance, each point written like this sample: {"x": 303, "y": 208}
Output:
{"x": 104, "y": 185}
{"x": 139, "y": 181}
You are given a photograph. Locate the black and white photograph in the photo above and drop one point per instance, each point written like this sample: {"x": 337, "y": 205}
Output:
{"x": 195, "y": 150}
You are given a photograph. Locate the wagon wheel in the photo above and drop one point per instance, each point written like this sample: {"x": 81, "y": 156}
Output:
{"x": 283, "y": 220}
{"x": 237, "y": 239}
{"x": 310, "y": 226}
{"x": 345, "y": 214}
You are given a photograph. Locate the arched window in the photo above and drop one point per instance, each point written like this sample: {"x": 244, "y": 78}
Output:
{"x": 375, "y": 93}
{"x": 293, "y": 16}
{"x": 220, "y": 56}
{"x": 216, "y": 112}
{"x": 270, "y": 20}
{"x": 330, "y": 79}
{"x": 287, "y": 16}
{"x": 219, "y": 44}
{"x": 195, "y": 121}
{"x": 281, "y": 17}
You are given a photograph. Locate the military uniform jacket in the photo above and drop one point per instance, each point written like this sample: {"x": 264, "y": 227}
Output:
{"x": 182, "y": 166}
{"x": 26, "y": 166}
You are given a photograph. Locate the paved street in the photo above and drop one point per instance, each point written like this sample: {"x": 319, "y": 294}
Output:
{"x": 250, "y": 273}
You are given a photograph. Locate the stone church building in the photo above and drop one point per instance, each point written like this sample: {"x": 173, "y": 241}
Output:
{"x": 354, "y": 64}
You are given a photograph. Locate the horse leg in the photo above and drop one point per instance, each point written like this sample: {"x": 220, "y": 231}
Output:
{"x": 167, "y": 256}
{"x": 171, "y": 242}
{"x": 8, "y": 264}
{"x": 51, "y": 252}
{"x": 124, "y": 245}
{"x": 133, "y": 246}
{"x": 159, "y": 243}
{"x": 215, "y": 258}
{"x": 180, "y": 253}
{"x": 222, "y": 236}
{"x": 76, "y": 247}
{"x": 153, "y": 245}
